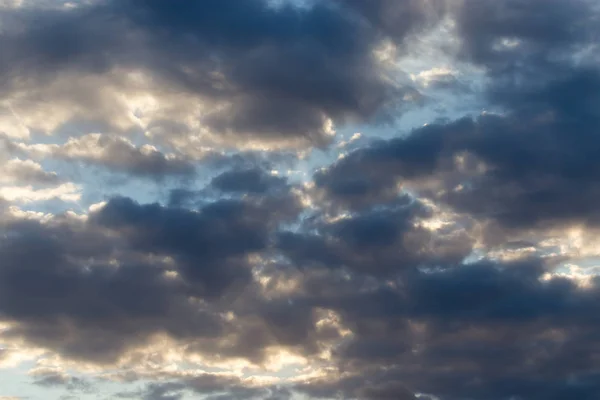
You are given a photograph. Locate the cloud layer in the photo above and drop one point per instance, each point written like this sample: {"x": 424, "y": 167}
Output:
{"x": 188, "y": 211}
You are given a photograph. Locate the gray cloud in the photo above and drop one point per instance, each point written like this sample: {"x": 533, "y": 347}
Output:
{"x": 119, "y": 154}
{"x": 487, "y": 331}
{"x": 253, "y": 180}
{"x": 380, "y": 273}
{"x": 376, "y": 242}
{"x": 18, "y": 172}
{"x": 231, "y": 388}
{"x": 59, "y": 379}
{"x": 532, "y": 166}
{"x": 272, "y": 73}
{"x": 67, "y": 279}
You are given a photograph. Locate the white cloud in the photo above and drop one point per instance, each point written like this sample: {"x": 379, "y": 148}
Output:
{"x": 27, "y": 194}
{"x": 17, "y": 171}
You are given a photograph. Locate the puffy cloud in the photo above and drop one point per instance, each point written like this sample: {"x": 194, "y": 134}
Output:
{"x": 241, "y": 70}
{"x": 508, "y": 36}
{"x": 111, "y": 152}
{"x": 253, "y": 180}
{"x": 131, "y": 271}
{"x": 17, "y": 171}
{"x": 26, "y": 194}
{"x": 120, "y": 154}
{"x": 455, "y": 260}
{"x": 48, "y": 377}
{"x": 379, "y": 242}
{"x": 389, "y": 390}
{"x": 530, "y": 166}
{"x": 484, "y": 330}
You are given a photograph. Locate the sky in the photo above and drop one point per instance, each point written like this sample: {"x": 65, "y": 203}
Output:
{"x": 295, "y": 200}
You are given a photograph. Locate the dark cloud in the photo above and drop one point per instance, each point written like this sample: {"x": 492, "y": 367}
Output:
{"x": 482, "y": 331}
{"x": 156, "y": 391}
{"x": 383, "y": 282}
{"x": 60, "y": 304}
{"x": 255, "y": 181}
{"x": 209, "y": 243}
{"x": 356, "y": 388}
{"x": 58, "y": 379}
{"x": 276, "y": 73}
{"x": 487, "y": 330}
{"x": 530, "y": 167}
{"x": 228, "y": 387}
{"x": 93, "y": 289}
{"x": 253, "y": 159}
{"x": 180, "y": 197}
{"x": 379, "y": 242}
{"x": 120, "y": 155}
{"x": 398, "y": 19}
{"x": 520, "y": 36}
{"x": 369, "y": 175}
{"x": 389, "y": 390}
{"x": 168, "y": 391}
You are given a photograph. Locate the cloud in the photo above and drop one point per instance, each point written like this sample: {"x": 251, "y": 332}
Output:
{"x": 243, "y": 85}
{"x": 247, "y": 181}
{"x": 456, "y": 259}
{"x": 207, "y": 279}
{"x": 131, "y": 271}
{"x": 120, "y": 154}
{"x": 372, "y": 174}
{"x": 507, "y": 36}
{"x": 222, "y": 233}
{"x": 132, "y": 301}
{"x": 229, "y": 387}
{"x": 68, "y": 192}
{"x": 391, "y": 390}
{"x": 485, "y": 330}
{"x": 46, "y": 377}
{"x": 525, "y": 168}
{"x": 114, "y": 153}
{"x": 375, "y": 242}
{"x": 17, "y": 171}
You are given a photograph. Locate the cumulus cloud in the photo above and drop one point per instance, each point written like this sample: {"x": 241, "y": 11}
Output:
{"x": 48, "y": 377}
{"x": 375, "y": 242}
{"x": 456, "y": 259}
{"x": 523, "y": 168}
{"x": 112, "y": 152}
{"x": 240, "y": 69}
{"x": 68, "y": 192}
{"x": 253, "y": 180}
{"x": 524, "y": 165}
{"x": 122, "y": 155}
{"x": 17, "y": 171}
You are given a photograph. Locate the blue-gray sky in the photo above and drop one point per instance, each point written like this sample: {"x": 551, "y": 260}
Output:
{"x": 278, "y": 200}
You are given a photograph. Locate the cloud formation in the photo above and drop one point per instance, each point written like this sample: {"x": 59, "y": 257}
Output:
{"x": 257, "y": 246}
{"x": 240, "y": 68}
